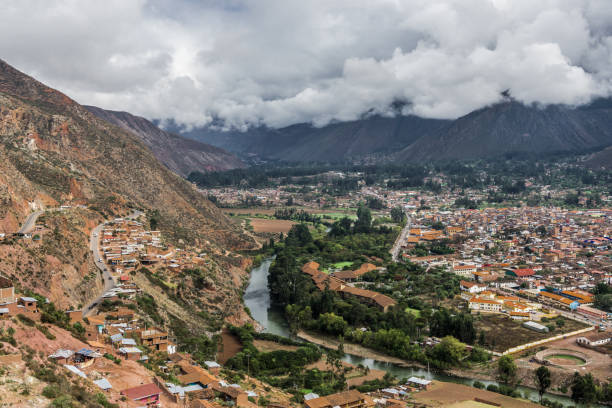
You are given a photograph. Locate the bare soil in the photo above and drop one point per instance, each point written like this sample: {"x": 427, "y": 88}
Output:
{"x": 496, "y": 328}
{"x": 265, "y": 346}
{"x": 445, "y": 394}
{"x": 266, "y": 225}
{"x": 230, "y": 346}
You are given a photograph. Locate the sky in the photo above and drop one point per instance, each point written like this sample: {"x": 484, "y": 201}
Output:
{"x": 236, "y": 64}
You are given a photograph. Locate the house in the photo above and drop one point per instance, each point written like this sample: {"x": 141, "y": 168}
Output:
{"x": 418, "y": 382}
{"x": 62, "y": 356}
{"x": 29, "y": 304}
{"x": 147, "y": 394}
{"x": 7, "y": 291}
{"x": 345, "y": 399}
{"x": 484, "y": 305}
{"x": 472, "y": 287}
{"x": 520, "y": 273}
{"x": 213, "y": 367}
{"x": 156, "y": 339}
{"x": 595, "y": 339}
{"x": 233, "y": 394}
{"x": 464, "y": 270}
{"x": 519, "y": 315}
{"x": 131, "y": 353}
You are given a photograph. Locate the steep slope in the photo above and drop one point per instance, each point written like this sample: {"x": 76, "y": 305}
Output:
{"x": 511, "y": 127}
{"x": 179, "y": 154}
{"x": 508, "y": 127}
{"x": 335, "y": 142}
{"x": 52, "y": 152}
{"x": 600, "y": 160}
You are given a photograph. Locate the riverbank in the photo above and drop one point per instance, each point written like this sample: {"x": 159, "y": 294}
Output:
{"x": 355, "y": 349}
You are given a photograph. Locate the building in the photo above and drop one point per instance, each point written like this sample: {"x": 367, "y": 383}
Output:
{"x": 591, "y": 312}
{"x": 472, "y": 287}
{"x": 484, "y": 305}
{"x": 147, "y": 394}
{"x": 464, "y": 270}
{"x": 345, "y": 399}
{"x": 156, "y": 339}
{"x": 595, "y": 339}
{"x": 418, "y": 382}
{"x": 535, "y": 327}
{"x": 520, "y": 273}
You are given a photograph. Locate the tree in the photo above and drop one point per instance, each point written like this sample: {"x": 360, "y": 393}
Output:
{"x": 397, "y": 214}
{"x": 542, "y": 380}
{"x": 584, "y": 390}
{"x": 506, "y": 370}
{"x": 364, "y": 219}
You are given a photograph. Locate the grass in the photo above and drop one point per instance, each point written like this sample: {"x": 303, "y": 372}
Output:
{"x": 567, "y": 357}
{"x": 415, "y": 312}
{"x": 337, "y": 265}
{"x": 340, "y": 265}
{"x": 338, "y": 215}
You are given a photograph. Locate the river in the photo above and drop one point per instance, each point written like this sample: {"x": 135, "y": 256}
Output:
{"x": 257, "y": 299}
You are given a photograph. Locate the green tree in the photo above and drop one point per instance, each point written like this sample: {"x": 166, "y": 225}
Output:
{"x": 542, "y": 380}
{"x": 364, "y": 219}
{"x": 506, "y": 370}
{"x": 397, "y": 214}
{"x": 584, "y": 390}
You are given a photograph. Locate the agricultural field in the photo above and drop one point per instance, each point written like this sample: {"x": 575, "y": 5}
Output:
{"x": 270, "y": 225}
{"x": 503, "y": 333}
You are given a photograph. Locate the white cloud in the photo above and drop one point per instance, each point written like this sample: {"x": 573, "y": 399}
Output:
{"x": 281, "y": 62}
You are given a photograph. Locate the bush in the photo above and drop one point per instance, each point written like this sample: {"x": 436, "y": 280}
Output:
{"x": 493, "y": 388}
{"x": 26, "y": 320}
{"x": 51, "y": 391}
{"x": 478, "y": 384}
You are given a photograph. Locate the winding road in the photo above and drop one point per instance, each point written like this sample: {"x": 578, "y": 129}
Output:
{"x": 30, "y": 222}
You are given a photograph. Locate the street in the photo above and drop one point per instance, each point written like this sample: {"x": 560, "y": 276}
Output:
{"x": 94, "y": 246}
{"x": 400, "y": 240}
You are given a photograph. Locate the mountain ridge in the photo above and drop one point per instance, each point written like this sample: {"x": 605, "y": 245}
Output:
{"x": 179, "y": 154}
{"x": 507, "y": 127}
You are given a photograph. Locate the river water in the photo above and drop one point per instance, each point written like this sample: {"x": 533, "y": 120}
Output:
{"x": 257, "y": 299}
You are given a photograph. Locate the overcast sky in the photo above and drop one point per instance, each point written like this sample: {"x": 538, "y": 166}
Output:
{"x": 279, "y": 62}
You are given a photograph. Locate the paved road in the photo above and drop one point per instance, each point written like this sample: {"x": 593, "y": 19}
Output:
{"x": 94, "y": 246}
{"x": 562, "y": 312}
{"x": 400, "y": 240}
{"x": 30, "y": 222}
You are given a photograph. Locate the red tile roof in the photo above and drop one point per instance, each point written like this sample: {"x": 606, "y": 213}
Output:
{"x": 142, "y": 391}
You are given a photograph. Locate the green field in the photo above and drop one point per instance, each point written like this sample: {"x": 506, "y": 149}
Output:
{"x": 576, "y": 359}
{"x": 338, "y": 215}
{"x": 415, "y": 312}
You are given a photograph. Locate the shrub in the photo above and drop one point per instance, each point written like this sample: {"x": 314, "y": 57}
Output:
{"x": 492, "y": 388}
{"x": 478, "y": 384}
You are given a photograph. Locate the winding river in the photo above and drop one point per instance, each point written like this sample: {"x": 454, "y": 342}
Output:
{"x": 257, "y": 299}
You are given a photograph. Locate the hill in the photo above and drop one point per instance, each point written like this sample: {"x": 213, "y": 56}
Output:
{"x": 55, "y": 152}
{"x": 505, "y": 128}
{"x": 513, "y": 128}
{"x": 179, "y": 154}
{"x": 376, "y": 135}
{"x": 601, "y": 160}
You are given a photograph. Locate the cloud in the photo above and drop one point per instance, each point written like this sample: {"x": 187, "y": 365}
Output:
{"x": 247, "y": 63}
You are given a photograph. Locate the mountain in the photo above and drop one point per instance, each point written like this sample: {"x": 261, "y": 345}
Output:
{"x": 513, "y": 128}
{"x": 600, "y": 160}
{"x": 179, "y": 154}
{"x": 55, "y": 152}
{"x": 504, "y": 128}
{"x": 375, "y": 135}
